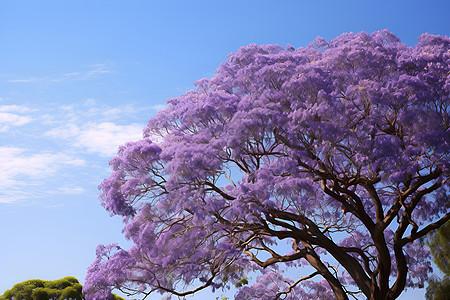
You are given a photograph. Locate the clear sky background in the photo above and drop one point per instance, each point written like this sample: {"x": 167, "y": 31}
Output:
{"x": 78, "y": 78}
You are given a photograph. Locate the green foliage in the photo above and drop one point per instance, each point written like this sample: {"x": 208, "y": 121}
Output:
{"x": 439, "y": 243}
{"x": 53, "y": 293}
{"x": 74, "y": 292}
{"x": 59, "y": 284}
{"x": 24, "y": 290}
{"x": 438, "y": 289}
{"x": 6, "y": 295}
{"x": 36, "y": 289}
{"x": 242, "y": 282}
{"x": 60, "y": 289}
{"x": 40, "y": 294}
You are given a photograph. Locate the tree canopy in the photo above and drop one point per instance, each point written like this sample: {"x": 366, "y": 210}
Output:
{"x": 36, "y": 289}
{"x": 318, "y": 169}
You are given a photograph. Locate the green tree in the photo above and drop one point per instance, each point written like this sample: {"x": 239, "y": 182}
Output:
{"x": 439, "y": 243}
{"x": 60, "y": 289}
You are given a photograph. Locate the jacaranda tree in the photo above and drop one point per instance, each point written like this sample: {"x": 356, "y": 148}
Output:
{"x": 313, "y": 171}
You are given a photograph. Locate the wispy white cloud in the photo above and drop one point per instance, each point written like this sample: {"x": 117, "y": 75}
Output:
{"x": 95, "y": 70}
{"x": 28, "y": 80}
{"x": 71, "y": 190}
{"x": 110, "y": 113}
{"x": 101, "y": 138}
{"x": 61, "y": 139}
{"x": 16, "y": 108}
{"x": 11, "y": 115}
{"x": 159, "y": 106}
{"x": 17, "y": 162}
{"x": 8, "y": 119}
{"x": 21, "y": 169}
{"x": 13, "y": 119}
{"x": 92, "y": 72}
{"x": 14, "y": 194}
{"x": 75, "y": 126}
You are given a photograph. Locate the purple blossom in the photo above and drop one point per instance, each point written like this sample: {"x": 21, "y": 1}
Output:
{"x": 340, "y": 148}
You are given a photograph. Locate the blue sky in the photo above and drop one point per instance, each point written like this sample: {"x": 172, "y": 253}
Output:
{"x": 78, "y": 78}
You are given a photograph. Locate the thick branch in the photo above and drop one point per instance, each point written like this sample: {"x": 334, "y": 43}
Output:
{"x": 317, "y": 264}
{"x": 380, "y": 242}
{"x": 376, "y": 200}
{"x": 355, "y": 209}
{"x": 395, "y": 208}
{"x": 402, "y": 266}
{"x": 312, "y": 234}
{"x": 363, "y": 256}
{"x": 415, "y": 200}
{"x": 425, "y": 230}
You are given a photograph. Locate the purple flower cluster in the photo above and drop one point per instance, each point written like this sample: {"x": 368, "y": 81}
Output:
{"x": 341, "y": 148}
